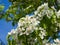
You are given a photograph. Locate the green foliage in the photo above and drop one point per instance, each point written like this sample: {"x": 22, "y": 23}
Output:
{"x": 20, "y": 8}
{"x": 1, "y": 11}
{"x": 1, "y": 8}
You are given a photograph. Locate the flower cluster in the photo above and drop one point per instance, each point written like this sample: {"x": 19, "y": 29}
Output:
{"x": 44, "y": 10}
{"x": 58, "y": 14}
{"x": 42, "y": 33}
{"x": 38, "y": 26}
{"x": 26, "y": 25}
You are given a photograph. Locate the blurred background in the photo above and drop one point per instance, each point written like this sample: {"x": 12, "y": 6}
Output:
{"x": 5, "y": 27}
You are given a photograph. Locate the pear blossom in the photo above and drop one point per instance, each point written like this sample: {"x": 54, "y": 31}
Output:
{"x": 58, "y": 14}
{"x": 9, "y": 33}
{"x": 44, "y": 10}
{"x": 42, "y": 33}
{"x": 30, "y": 25}
{"x": 12, "y": 32}
{"x": 57, "y": 40}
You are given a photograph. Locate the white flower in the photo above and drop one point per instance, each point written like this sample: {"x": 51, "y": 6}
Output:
{"x": 9, "y": 33}
{"x": 12, "y": 32}
{"x": 57, "y": 40}
{"x": 42, "y": 33}
{"x": 36, "y": 12}
{"x": 23, "y": 29}
{"x": 49, "y": 13}
{"x": 58, "y": 14}
{"x": 27, "y": 25}
{"x": 45, "y": 5}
